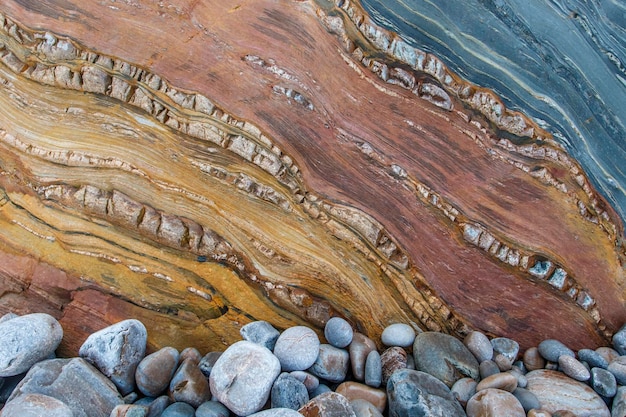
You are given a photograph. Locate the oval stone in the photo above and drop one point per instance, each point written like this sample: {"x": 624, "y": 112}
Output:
{"x": 556, "y": 391}
{"x": 373, "y": 369}
{"x": 444, "y": 357}
{"x": 398, "y": 334}
{"x": 36, "y": 405}
{"x": 243, "y": 376}
{"x": 116, "y": 351}
{"x": 155, "y": 371}
{"x": 505, "y": 381}
{"x": 533, "y": 359}
{"x": 479, "y": 345}
{"x": 593, "y": 358}
{"x": 551, "y": 349}
{"x": 338, "y": 332}
{"x": 573, "y": 368}
{"x": 603, "y": 382}
{"x": 297, "y": 348}
{"x": 493, "y": 402}
{"x": 331, "y": 364}
{"x": 26, "y": 340}
{"x": 360, "y": 347}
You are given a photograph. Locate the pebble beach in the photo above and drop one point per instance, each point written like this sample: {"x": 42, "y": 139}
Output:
{"x": 298, "y": 373}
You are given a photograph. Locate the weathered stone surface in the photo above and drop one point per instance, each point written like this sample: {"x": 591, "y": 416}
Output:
{"x": 243, "y": 376}
{"x": 418, "y": 394}
{"x": 189, "y": 384}
{"x": 488, "y": 368}
{"x": 391, "y": 360}
{"x": 619, "y": 340}
{"x": 155, "y": 371}
{"x": 444, "y": 357}
{"x": 557, "y": 391}
{"x": 297, "y": 348}
{"x": 36, "y": 405}
{"x": 27, "y": 340}
{"x": 355, "y": 390}
{"x": 116, "y": 351}
{"x": 329, "y": 404}
{"x": 75, "y": 382}
{"x": 505, "y": 346}
{"x": 593, "y": 358}
{"x": 603, "y": 382}
{"x": 493, "y": 402}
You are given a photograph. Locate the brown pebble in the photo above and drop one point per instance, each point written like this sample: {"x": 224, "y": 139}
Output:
{"x": 504, "y": 363}
{"x": 533, "y": 360}
{"x": 505, "y": 381}
{"x": 354, "y": 391}
{"x": 494, "y": 402}
{"x": 391, "y": 360}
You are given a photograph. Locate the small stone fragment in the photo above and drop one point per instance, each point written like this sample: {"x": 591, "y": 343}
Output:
{"x": 155, "y": 371}
{"x": 331, "y": 364}
{"x": 603, "y": 382}
{"x": 208, "y": 361}
{"x": 618, "y": 368}
{"x": 593, "y": 358}
{"x": 533, "y": 359}
{"x": 355, "y": 390}
{"x": 189, "y": 384}
{"x": 116, "y": 351}
{"x": 243, "y": 376}
{"x": 36, "y": 405}
{"x": 260, "y": 332}
{"x": 297, "y": 348}
{"x": 398, "y": 334}
{"x": 329, "y": 404}
{"x": 505, "y": 381}
{"x": 26, "y": 340}
{"x": 551, "y": 349}
{"x": 572, "y": 367}
{"x": 179, "y": 409}
{"x": 288, "y": 392}
{"x": 391, "y": 360}
{"x": 373, "y": 369}
{"x": 212, "y": 409}
{"x": 527, "y": 399}
{"x": 479, "y": 345}
{"x": 363, "y": 408}
{"x": 360, "y": 347}
{"x": 494, "y": 403}
{"x": 463, "y": 390}
{"x": 338, "y": 332}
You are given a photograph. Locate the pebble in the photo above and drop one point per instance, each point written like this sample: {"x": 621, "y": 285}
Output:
{"x": 414, "y": 393}
{"x": 527, "y": 399}
{"x": 593, "y": 358}
{"x": 398, "y": 334}
{"x": 243, "y": 376}
{"x": 488, "y": 368}
{"x": 74, "y": 382}
{"x": 619, "y": 340}
{"x": 260, "y": 332}
{"x": 493, "y": 402}
{"x": 551, "y": 349}
{"x": 277, "y": 412}
{"x": 328, "y": 404}
{"x": 297, "y": 348}
{"x": 189, "y": 384}
{"x": 479, "y": 345}
{"x": 331, "y": 364}
{"x": 573, "y": 368}
{"x": 533, "y": 359}
{"x": 116, "y": 351}
{"x": 360, "y": 347}
{"x": 192, "y": 354}
{"x": 509, "y": 348}
{"x": 619, "y": 403}
{"x": 444, "y": 357}
{"x": 288, "y": 392}
{"x": 36, "y": 405}
{"x": 603, "y": 382}
{"x": 338, "y": 332}
{"x": 212, "y": 409}
{"x": 155, "y": 371}
{"x": 363, "y": 408}
{"x": 505, "y": 381}
{"x": 464, "y": 389}
{"x": 310, "y": 381}
{"x": 355, "y": 390}
{"x": 129, "y": 410}
{"x": 391, "y": 360}
{"x": 373, "y": 369}
{"x": 607, "y": 353}
{"x": 618, "y": 368}
{"x": 503, "y": 362}
{"x": 179, "y": 409}
{"x": 556, "y": 391}
{"x": 207, "y": 362}
{"x": 26, "y": 340}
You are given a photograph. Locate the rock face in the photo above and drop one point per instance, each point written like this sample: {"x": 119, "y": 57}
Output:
{"x": 202, "y": 200}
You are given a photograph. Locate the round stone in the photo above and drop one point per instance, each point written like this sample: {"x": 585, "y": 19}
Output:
{"x": 505, "y": 381}
{"x": 533, "y": 359}
{"x": 551, "y": 349}
{"x": 297, "y": 348}
{"x": 331, "y": 364}
{"x": 603, "y": 382}
{"x": 179, "y": 409}
{"x": 488, "y": 368}
{"x": 392, "y": 359}
{"x": 243, "y": 376}
{"x": 479, "y": 345}
{"x": 444, "y": 357}
{"x": 373, "y": 369}
{"x": 260, "y": 332}
{"x": 189, "y": 384}
{"x": 360, "y": 347}
{"x": 509, "y": 348}
{"x": 212, "y": 409}
{"x": 36, "y": 405}
{"x": 593, "y": 358}
{"x": 618, "y": 368}
{"x": 463, "y": 390}
{"x": 398, "y": 334}
{"x": 573, "y": 368}
{"x": 556, "y": 391}
{"x": 116, "y": 351}
{"x": 338, "y": 332}
{"x": 494, "y": 402}
{"x": 527, "y": 399}
{"x": 363, "y": 408}
{"x": 26, "y": 340}
{"x": 155, "y": 371}
{"x": 288, "y": 392}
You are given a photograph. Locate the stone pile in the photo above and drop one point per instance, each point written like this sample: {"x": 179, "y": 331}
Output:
{"x": 293, "y": 373}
